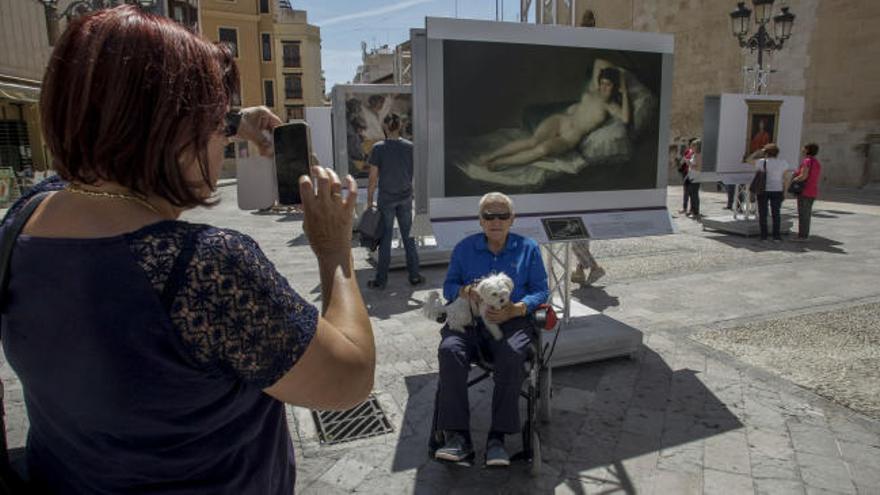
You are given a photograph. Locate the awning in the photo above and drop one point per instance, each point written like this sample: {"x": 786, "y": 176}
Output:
{"x": 19, "y": 92}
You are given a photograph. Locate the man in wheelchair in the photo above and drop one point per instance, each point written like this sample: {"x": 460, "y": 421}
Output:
{"x": 495, "y": 250}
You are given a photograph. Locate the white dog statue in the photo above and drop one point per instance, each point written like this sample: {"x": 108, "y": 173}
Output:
{"x": 494, "y": 291}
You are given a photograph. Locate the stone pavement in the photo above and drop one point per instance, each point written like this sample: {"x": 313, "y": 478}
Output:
{"x": 681, "y": 418}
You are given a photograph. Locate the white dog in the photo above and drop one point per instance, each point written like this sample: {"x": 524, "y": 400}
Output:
{"x": 494, "y": 291}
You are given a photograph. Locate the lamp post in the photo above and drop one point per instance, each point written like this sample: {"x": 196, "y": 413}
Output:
{"x": 762, "y": 41}
{"x": 79, "y": 7}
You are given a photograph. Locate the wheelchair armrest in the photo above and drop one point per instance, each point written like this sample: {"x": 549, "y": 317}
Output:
{"x": 544, "y": 317}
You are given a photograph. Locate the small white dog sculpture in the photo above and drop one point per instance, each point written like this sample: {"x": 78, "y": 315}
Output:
{"x": 494, "y": 291}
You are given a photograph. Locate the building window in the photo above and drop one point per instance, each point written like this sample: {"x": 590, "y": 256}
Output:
{"x": 229, "y": 37}
{"x": 291, "y": 54}
{"x": 269, "y": 93}
{"x": 295, "y": 112}
{"x": 266, "y": 42}
{"x": 293, "y": 86}
{"x": 264, "y": 6}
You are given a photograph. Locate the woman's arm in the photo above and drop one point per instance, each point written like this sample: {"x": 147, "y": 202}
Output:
{"x": 598, "y": 65}
{"x": 804, "y": 172}
{"x": 337, "y": 369}
{"x": 622, "y": 111}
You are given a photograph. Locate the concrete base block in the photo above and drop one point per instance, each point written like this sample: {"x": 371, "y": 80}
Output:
{"x": 591, "y": 336}
{"x": 746, "y": 228}
{"x": 429, "y": 255}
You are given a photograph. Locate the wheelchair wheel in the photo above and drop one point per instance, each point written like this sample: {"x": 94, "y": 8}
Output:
{"x": 535, "y": 467}
{"x": 544, "y": 394}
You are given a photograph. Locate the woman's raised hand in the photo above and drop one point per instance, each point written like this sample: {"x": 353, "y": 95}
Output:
{"x": 327, "y": 214}
{"x": 255, "y": 120}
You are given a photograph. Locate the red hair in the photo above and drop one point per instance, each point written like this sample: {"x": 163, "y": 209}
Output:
{"x": 129, "y": 96}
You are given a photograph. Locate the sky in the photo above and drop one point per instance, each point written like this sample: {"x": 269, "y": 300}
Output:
{"x": 345, "y": 23}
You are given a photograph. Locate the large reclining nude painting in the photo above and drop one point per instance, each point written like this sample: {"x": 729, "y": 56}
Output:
{"x": 528, "y": 119}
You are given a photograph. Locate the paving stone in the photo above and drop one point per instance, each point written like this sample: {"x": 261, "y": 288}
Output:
{"x": 770, "y": 486}
{"x": 827, "y": 473}
{"x": 777, "y": 468}
{"x": 571, "y": 399}
{"x": 769, "y": 443}
{"x": 680, "y": 483}
{"x": 347, "y": 474}
{"x": 728, "y": 452}
{"x": 723, "y": 483}
{"x": 813, "y": 440}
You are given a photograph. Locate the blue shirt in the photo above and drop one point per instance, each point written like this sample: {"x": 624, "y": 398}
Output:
{"x": 394, "y": 159}
{"x": 520, "y": 260}
{"x": 143, "y": 358}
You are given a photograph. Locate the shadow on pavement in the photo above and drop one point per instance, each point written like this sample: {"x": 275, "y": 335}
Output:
{"x": 612, "y": 422}
{"x": 397, "y": 297}
{"x": 595, "y": 297}
{"x": 815, "y": 243}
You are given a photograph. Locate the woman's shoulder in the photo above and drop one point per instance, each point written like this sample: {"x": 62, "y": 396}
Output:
{"x": 203, "y": 239}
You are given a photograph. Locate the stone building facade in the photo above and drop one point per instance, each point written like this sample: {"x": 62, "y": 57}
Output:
{"x": 830, "y": 60}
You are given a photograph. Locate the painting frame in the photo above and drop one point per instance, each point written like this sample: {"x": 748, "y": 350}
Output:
{"x": 445, "y": 207}
{"x": 339, "y": 119}
{"x": 761, "y": 111}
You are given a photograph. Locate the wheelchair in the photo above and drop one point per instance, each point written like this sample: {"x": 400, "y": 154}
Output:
{"x": 535, "y": 390}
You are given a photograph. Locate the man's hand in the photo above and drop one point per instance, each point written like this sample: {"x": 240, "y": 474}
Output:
{"x": 255, "y": 120}
{"x": 505, "y": 313}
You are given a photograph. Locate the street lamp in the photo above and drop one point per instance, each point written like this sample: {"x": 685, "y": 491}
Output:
{"x": 762, "y": 41}
{"x": 80, "y": 7}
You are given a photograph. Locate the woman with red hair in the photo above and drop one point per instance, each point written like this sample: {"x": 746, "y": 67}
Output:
{"x": 156, "y": 355}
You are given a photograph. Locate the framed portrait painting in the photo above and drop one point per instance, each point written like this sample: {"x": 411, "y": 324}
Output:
{"x": 763, "y": 124}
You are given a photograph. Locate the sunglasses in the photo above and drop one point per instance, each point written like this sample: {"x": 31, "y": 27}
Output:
{"x": 495, "y": 216}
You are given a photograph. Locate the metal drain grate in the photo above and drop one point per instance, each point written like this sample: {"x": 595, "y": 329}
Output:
{"x": 362, "y": 421}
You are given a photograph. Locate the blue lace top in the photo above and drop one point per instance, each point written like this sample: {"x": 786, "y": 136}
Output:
{"x": 142, "y": 358}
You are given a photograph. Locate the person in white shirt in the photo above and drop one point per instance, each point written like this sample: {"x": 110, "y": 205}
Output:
{"x": 777, "y": 173}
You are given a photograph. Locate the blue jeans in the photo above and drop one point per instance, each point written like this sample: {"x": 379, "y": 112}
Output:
{"x": 402, "y": 210}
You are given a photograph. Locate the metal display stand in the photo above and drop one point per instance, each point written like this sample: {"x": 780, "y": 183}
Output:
{"x": 583, "y": 334}
{"x": 744, "y": 218}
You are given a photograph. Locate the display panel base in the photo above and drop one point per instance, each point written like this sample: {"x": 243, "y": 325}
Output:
{"x": 429, "y": 254}
{"x": 747, "y": 228}
{"x": 592, "y": 336}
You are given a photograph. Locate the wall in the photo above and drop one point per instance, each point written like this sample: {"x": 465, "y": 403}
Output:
{"x": 830, "y": 60}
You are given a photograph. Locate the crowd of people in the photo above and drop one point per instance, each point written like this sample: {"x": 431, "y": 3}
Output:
{"x": 775, "y": 179}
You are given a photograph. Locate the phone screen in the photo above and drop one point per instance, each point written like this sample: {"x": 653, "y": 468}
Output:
{"x": 291, "y": 160}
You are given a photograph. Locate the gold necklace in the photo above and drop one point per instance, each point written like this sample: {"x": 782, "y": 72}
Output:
{"x": 112, "y": 195}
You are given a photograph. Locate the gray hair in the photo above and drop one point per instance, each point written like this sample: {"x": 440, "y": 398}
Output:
{"x": 496, "y": 197}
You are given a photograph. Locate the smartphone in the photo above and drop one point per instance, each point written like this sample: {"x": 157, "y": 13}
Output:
{"x": 292, "y": 152}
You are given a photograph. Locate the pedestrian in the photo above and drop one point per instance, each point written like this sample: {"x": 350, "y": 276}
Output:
{"x": 809, "y": 172}
{"x": 695, "y": 165}
{"x": 391, "y": 170}
{"x": 494, "y": 250}
{"x": 156, "y": 356}
{"x": 683, "y": 169}
{"x": 585, "y": 259}
{"x": 775, "y": 170}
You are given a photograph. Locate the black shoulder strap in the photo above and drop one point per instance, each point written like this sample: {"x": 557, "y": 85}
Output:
{"x": 10, "y": 235}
